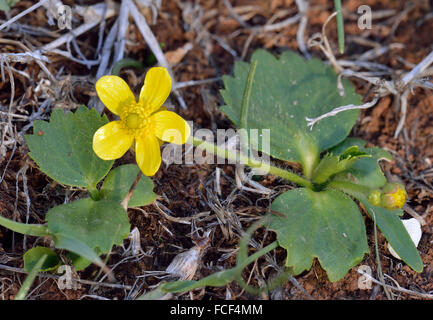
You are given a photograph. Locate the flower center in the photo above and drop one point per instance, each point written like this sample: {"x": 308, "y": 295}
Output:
{"x": 132, "y": 121}
{"x": 135, "y": 119}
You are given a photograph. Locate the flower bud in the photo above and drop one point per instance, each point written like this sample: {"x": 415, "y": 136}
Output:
{"x": 393, "y": 196}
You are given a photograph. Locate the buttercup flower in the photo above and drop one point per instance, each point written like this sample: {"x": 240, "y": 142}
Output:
{"x": 392, "y": 196}
{"x": 145, "y": 123}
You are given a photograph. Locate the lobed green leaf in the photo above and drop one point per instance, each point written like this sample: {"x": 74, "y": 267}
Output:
{"x": 366, "y": 171}
{"x": 284, "y": 92}
{"x": 62, "y": 148}
{"x": 327, "y": 225}
{"x": 97, "y": 224}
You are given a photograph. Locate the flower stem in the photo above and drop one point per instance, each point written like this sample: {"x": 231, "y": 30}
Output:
{"x": 355, "y": 190}
{"x": 236, "y": 156}
{"x": 340, "y": 25}
{"x": 36, "y": 230}
{"x": 94, "y": 193}
{"x": 128, "y": 196}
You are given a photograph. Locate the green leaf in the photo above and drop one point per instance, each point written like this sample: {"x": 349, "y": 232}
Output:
{"x": 97, "y": 224}
{"x": 63, "y": 150}
{"x": 78, "y": 247}
{"x": 285, "y": 92}
{"x": 327, "y": 225}
{"x": 330, "y": 165}
{"x": 78, "y": 261}
{"x": 32, "y": 256}
{"x": 6, "y": 5}
{"x": 394, "y": 231}
{"x": 118, "y": 182}
{"x": 389, "y": 224}
{"x": 366, "y": 171}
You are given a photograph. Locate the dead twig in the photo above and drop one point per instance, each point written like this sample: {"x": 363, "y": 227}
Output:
{"x": 22, "y": 14}
{"x": 312, "y": 121}
{"x": 399, "y": 289}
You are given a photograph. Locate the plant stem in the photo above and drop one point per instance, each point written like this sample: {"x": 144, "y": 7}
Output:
{"x": 128, "y": 196}
{"x": 94, "y": 193}
{"x": 22, "y": 293}
{"x": 126, "y": 63}
{"x": 235, "y": 156}
{"x": 355, "y": 190}
{"x": 258, "y": 254}
{"x": 36, "y": 230}
{"x": 340, "y": 25}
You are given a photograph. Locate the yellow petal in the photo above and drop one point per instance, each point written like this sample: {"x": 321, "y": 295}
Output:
{"x": 170, "y": 127}
{"x": 156, "y": 88}
{"x": 148, "y": 154}
{"x": 111, "y": 141}
{"x": 114, "y": 93}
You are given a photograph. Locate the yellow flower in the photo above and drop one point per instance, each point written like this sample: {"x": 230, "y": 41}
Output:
{"x": 145, "y": 123}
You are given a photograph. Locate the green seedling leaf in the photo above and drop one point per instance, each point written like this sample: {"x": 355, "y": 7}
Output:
{"x": 63, "y": 150}
{"x": 366, "y": 171}
{"x": 97, "y": 224}
{"x": 284, "y": 92}
{"x": 118, "y": 182}
{"x": 6, "y": 5}
{"x": 331, "y": 165}
{"x": 78, "y": 261}
{"x": 32, "y": 256}
{"x": 327, "y": 225}
{"x": 22, "y": 293}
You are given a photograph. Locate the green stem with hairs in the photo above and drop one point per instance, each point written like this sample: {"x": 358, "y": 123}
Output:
{"x": 243, "y": 260}
{"x": 126, "y": 63}
{"x": 235, "y": 156}
{"x": 258, "y": 254}
{"x": 94, "y": 192}
{"x": 355, "y": 190}
{"x": 36, "y": 230}
{"x": 22, "y": 293}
